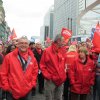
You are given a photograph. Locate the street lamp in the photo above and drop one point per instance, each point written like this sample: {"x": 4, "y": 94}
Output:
{"x": 71, "y": 24}
{"x": 68, "y": 23}
{"x": 85, "y": 4}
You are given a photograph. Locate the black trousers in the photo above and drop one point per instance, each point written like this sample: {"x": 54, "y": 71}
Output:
{"x": 66, "y": 90}
{"x": 4, "y": 94}
{"x": 75, "y": 96}
{"x": 0, "y": 93}
{"x": 96, "y": 88}
{"x": 94, "y": 92}
{"x": 10, "y": 97}
{"x": 40, "y": 85}
{"x": 41, "y": 82}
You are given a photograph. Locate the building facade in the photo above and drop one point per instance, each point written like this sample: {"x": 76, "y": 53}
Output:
{"x": 48, "y": 22}
{"x": 47, "y": 28}
{"x": 65, "y": 14}
{"x": 4, "y": 28}
{"x": 90, "y": 17}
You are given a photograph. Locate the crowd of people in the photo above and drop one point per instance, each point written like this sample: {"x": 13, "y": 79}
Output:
{"x": 61, "y": 71}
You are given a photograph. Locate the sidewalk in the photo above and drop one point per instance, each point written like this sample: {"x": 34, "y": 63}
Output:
{"x": 39, "y": 97}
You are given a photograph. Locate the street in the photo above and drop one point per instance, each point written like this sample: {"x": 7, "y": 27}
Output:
{"x": 42, "y": 97}
{"x": 39, "y": 97}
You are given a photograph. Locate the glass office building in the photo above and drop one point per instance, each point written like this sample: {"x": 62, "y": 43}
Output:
{"x": 47, "y": 28}
{"x": 90, "y": 18}
{"x": 67, "y": 13}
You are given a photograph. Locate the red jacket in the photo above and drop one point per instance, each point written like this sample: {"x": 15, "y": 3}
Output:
{"x": 82, "y": 76}
{"x": 14, "y": 79}
{"x": 52, "y": 65}
{"x": 70, "y": 57}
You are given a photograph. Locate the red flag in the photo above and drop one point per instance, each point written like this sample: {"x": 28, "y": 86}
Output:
{"x": 13, "y": 34}
{"x": 66, "y": 33}
{"x": 96, "y": 38}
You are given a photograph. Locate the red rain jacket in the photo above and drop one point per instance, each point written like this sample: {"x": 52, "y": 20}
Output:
{"x": 71, "y": 56}
{"x": 82, "y": 76}
{"x": 14, "y": 79}
{"x": 52, "y": 65}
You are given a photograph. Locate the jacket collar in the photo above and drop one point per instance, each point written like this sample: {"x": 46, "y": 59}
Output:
{"x": 15, "y": 52}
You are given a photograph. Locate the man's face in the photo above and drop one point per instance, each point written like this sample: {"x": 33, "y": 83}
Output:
{"x": 38, "y": 45}
{"x": 32, "y": 46}
{"x": 61, "y": 42}
{"x": 23, "y": 45}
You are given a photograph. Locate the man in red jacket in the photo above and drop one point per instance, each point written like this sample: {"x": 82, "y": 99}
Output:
{"x": 52, "y": 65}
{"x": 19, "y": 72}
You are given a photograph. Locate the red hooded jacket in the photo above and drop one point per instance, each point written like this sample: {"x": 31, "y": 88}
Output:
{"x": 52, "y": 65}
{"x": 70, "y": 57}
{"x": 82, "y": 76}
{"x": 14, "y": 79}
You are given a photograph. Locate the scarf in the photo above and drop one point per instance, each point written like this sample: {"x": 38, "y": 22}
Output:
{"x": 38, "y": 50}
{"x": 24, "y": 55}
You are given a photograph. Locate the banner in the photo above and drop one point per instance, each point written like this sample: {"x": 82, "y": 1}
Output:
{"x": 13, "y": 34}
{"x": 66, "y": 33}
{"x": 96, "y": 38}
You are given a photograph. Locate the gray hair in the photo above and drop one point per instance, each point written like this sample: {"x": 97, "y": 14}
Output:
{"x": 24, "y": 37}
{"x": 57, "y": 37}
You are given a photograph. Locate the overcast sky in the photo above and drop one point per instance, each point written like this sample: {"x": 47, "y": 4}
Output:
{"x": 26, "y": 16}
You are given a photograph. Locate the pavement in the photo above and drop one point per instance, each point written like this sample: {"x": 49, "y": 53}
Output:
{"x": 39, "y": 97}
{"x": 42, "y": 97}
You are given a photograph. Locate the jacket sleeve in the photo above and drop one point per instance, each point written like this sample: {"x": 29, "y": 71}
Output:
{"x": 72, "y": 73}
{"x": 43, "y": 65}
{"x": 93, "y": 74}
{"x": 35, "y": 73}
{"x": 4, "y": 74}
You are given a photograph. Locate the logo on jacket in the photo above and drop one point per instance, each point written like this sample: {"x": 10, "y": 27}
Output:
{"x": 90, "y": 69}
{"x": 31, "y": 63}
